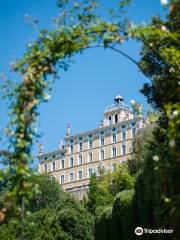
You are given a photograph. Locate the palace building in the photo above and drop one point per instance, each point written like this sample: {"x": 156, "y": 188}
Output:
{"x": 103, "y": 148}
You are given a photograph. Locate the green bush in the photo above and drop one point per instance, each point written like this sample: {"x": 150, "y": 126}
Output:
{"x": 123, "y": 217}
{"x": 121, "y": 180}
{"x": 8, "y": 231}
{"x": 54, "y": 215}
{"x": 48, "y": 195}
{"x": 103, "y": 223}
{"x": 117, "y": 221}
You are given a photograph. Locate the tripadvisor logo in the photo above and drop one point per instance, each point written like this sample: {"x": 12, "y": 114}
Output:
{"x": 139, "y": 231}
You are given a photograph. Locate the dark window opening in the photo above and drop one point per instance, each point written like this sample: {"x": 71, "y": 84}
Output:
{"x": 109, "y": 119}
{"x": 116, "y": 118}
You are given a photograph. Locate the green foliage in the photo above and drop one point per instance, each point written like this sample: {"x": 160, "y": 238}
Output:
{"x": 103, "y": 223}
{"x": 63, "y": 222}
{"x": 57, "y": 215}
{"x": 8, "y": 231}
{"x": 161, "y": 170}
{"x": 121, "y": 180}
{"x": 48, "y": 193}
{"x": 123, "y": 216}
{"x": 116, "y": 221}
{"x": 148, "y": 200}
{"x": 38, "y": 225}
{"x": 103, "y": 190}
{"x": 98, "y": 194}
{"x": 54, "y": 215}
{"x": 102, "y": 198}
{"x": 152, "y": 116}
{"x": 140, "y": 148}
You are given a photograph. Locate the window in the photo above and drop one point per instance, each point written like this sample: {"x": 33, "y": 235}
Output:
{"x": 114, "y": 151}
{"x": 45, "y": 167}
{"x": 123, "y": 135}
{"x": 102, "y": 141}
{"x": 62, "y": 164}
{"x": 71, "y": 176}
{"x": 80, "y": 146}
{"x": 80, "y": 174}
{"x": 102, "y": 154}
{"x": 62, "y": 179}
{"x": 53, "y": 166}
{"x": 124, "y": 149}
{"x": 71, "y": 162}
{"x": 90, "y": 143}
{"x": 90, "y": 157}
{"x": 114, "y": 138}
{"x": 80, "y": 159}
{"x": 114, "y": 166}
{"x": 133, "y": 132}
{"x": 71, "y": 149}
{"x": 116, "y": 118}
{"x": 110, "y": 120}
{"x": 89, "y": 172}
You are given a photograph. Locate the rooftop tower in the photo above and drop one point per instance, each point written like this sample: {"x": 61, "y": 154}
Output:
{"x": 118, "y": 112}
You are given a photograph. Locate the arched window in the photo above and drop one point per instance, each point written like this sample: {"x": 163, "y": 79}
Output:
{"x": 90, "y": 171}
{"x": 80, "y": 146}
{"x": 62, "y": 163}
{"x": 123, "y": 134}
{"x": 102, "y": 154}
{"x": 133, "y": 132}
{"x": 45, "y": 167}
{"x": 71, "y": 162}
{"x": 123, "y": 148}
{"x": 71, "y": 148}
{"x": 90, "y": 143}
{"x": 90, "y": 157}
{"x": 114, "y": 138}
{"x": 53, "y": 166}
{"x": 80, "y": 175}
{"x": 114, "y": 151}
{"x": 102, "y": 141}
{"x": 116, "y": 118}
{"x": 62, "y": 179}
{"x": 110, "y": 120}
{"x": 80, "y": 159}
{"x": 71, "y": 177}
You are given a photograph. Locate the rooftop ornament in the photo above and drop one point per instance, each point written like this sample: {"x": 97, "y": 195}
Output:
{"x": 41, "y": 149}
{"x": 118, "y": 99}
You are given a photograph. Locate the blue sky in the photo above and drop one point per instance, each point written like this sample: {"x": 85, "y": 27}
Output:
{"x": 83, "y": 92}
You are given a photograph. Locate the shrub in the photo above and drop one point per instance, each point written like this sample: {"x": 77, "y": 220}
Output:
{"x": 122, "y": 216}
